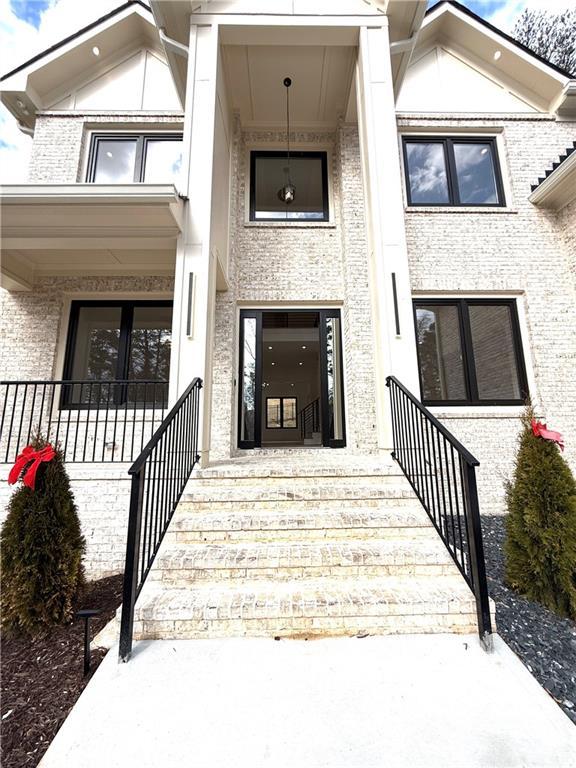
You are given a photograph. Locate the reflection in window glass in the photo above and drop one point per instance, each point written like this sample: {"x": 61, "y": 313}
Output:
{"x": 289, "y": 412}
{"x": 427, "y": 173}
{"x": 248, "y": 380}
{"x": 306, "y": 175}
{"x": 273, "y": 415}
{"x": 163, "y": 161}
{"x": 150, "y": 343}
{"x": 475, "y": 172}
{"x": 115, "y": 161}
{"x": 440, "y": 353}
{"x": 494, "y": 355}
{"x": 96, "y": 344}
{"x": 334, "y": 370}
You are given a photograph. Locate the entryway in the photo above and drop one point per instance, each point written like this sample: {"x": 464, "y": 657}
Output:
{"x": 291, "y": 383}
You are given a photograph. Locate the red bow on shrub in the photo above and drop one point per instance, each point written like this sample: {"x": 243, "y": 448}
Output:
{"x": 540, "y": 430}
{"x": 33, "y": 457}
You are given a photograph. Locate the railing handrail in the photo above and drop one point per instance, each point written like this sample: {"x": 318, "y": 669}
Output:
{"x": 158, "y": 479}
{"x": 155, "y": 439}
{"x": 306, "y": 407}
{"x": 443, "y": 477}
{"x": 13, "y": 382}
{"x": 464, "y": 452}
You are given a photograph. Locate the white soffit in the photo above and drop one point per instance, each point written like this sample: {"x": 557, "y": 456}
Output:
{"x": 67, "y": 67}
{"x": 523, "y": 76}
{"x": 321, "y": 80}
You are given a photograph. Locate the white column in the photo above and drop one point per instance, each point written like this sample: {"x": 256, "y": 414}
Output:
{"x": 395, "y": 352}
{"x": 193, "y": 318}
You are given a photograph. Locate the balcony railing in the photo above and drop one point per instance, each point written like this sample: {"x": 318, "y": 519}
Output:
{"x": 91, "y": 421}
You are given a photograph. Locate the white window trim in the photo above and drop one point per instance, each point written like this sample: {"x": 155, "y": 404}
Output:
{"x": 298, "y": 147}
{"x": 479, "y": 411}
{"x": 469, "y": 133}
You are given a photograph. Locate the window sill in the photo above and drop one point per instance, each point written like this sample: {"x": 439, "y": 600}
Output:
{"x": 291, "y": 224}
{"x": 477, "y": 411}
{"x": 457, "y": 209}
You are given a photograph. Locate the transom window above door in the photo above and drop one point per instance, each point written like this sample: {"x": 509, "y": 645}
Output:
{"x": 470, "y": 352}
{"x": 127, "y": 158}
{"x": 126, "y": 341}
{"x": 452, "y": 171}
{"x": 307, "y": 173}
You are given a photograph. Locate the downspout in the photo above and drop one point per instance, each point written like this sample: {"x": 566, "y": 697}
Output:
{"x": 407, "y": 45}
{"x": 178, "y": 48}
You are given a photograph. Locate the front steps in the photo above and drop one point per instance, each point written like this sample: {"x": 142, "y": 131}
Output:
{"x": 302, "y": 546}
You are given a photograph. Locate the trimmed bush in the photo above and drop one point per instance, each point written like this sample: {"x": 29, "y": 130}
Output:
{"x": 41, "y": 551}
{"x": 541, "y": 525}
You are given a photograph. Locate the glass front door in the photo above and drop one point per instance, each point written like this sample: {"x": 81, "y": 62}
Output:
{"x": 291, "y": 382}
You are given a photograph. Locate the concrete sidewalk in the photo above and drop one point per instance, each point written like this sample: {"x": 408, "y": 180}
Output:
{"x": 429, "y": 701}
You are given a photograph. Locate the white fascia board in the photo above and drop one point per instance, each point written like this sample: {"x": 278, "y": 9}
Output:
{"x": 51, "y": 194}
{"x": 497, "y": 38}
{"x": 559, "y": 188}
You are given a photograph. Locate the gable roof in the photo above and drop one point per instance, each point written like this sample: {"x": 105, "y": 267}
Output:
{"x": 492, "y": 28}
{"x": 79, "y": 33}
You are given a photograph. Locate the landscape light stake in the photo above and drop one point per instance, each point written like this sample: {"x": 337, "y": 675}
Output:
{"x": 87, "y": 614}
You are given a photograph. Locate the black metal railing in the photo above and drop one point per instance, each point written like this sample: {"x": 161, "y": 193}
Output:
{"x": 309, "y": 418}
{"x": 443, "y": 475}
{"x": 159, "y": 476}
{"x": 92, "y": 421}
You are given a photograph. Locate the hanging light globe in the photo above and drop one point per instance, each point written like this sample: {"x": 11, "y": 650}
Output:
{"x": 287, "y": 193}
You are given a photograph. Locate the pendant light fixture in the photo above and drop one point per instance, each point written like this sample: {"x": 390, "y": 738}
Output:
{"x": 288, "y": 192}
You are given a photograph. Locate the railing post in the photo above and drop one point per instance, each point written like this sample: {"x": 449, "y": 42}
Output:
{"x": 477, "y": 563}
{"x": 131, "y": 568}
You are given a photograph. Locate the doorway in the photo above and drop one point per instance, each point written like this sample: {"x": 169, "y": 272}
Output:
{"x": 291, "y": 383}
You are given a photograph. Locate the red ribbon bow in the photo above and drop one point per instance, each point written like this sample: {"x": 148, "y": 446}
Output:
{"x": 33, "y": 457}
{"x": 540, "y": 430}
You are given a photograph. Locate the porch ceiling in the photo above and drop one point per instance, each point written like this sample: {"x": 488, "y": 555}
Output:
{"x": 87, "y": 229}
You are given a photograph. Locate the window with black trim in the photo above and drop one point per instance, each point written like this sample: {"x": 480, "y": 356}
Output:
{"x": 452, "y": 171}
{"x": 281, "y": 413}
{"x": 470, "y": 352}
{"x": 153, "y": 158}
{"x": 113, "y": 341}
{"x": 307, "y": 172}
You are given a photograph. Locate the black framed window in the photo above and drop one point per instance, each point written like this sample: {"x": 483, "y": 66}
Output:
{"x": 281, "y": 413}
{"x": 111, "y": 341}
{"x": 470, "y": 352}
{"x": 127, "y": 158}
{"x": 452, "y": 171}
{"x": 309, "y": 176}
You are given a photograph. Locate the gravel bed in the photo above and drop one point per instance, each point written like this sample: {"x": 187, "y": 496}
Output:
{"x": 545, "y": 642}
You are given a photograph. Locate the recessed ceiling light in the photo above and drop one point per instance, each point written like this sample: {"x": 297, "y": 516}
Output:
{"x": 272, "y": 363}
{"x": 96, "y": 51}
{"x": 497, "y": 55}
{"x": 300, "y": 363}
{"x": 269, "y": 347}
{"x": 303, "y": 346}
{"x": 20, "y": 103}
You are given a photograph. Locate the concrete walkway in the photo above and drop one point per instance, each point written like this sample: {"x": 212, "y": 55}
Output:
{"x": 429, "y": 701}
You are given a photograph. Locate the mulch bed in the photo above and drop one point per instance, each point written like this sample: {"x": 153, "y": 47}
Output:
{"x": 545, "y": 642}
{"x": 42, "y": 677}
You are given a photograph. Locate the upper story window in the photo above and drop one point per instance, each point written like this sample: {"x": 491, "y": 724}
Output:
{"x": 117, "y": 341}
{"x": 470, "y": 352}
{"x": 452, "y": 171}
{"x": 127, "y": 158}
{"x": 308, "y": 175}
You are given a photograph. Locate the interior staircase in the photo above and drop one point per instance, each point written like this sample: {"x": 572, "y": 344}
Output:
{"x": 299, "y": 545}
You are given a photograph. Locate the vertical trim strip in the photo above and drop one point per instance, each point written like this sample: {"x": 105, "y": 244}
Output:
{"x": 189, "y": 323}
{"x": 395, "y": 295}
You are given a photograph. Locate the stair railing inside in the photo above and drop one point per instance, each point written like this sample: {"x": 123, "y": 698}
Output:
{"x": 309, "y": 418}
{"x": 443, "y": 475}
{"x": 159, "y": 476}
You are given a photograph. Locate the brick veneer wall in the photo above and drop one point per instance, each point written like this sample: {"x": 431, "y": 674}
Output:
{"x": 60, "y": 141}
{"x": 520, "y": 250}
{"x": 299, "y": 264}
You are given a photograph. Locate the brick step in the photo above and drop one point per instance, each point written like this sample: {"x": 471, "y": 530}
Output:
{"x": 291, "y": 482}
{"x": 270, "y": 525}
{"x": 297, "y": 506}
{"x": 267, "y": 609}
{"x": 301, "y": 471}
{"x": 295, "y": 492}
{"x": 181, "y": 563}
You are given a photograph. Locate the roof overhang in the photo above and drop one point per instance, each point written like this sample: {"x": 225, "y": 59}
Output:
{"x": 39, "y": 83}
{"x": 540, "y": 83}
{"x": 174, "y": 17}
{"x": 559, "y": 188}
{"x": 87, "y": 229}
